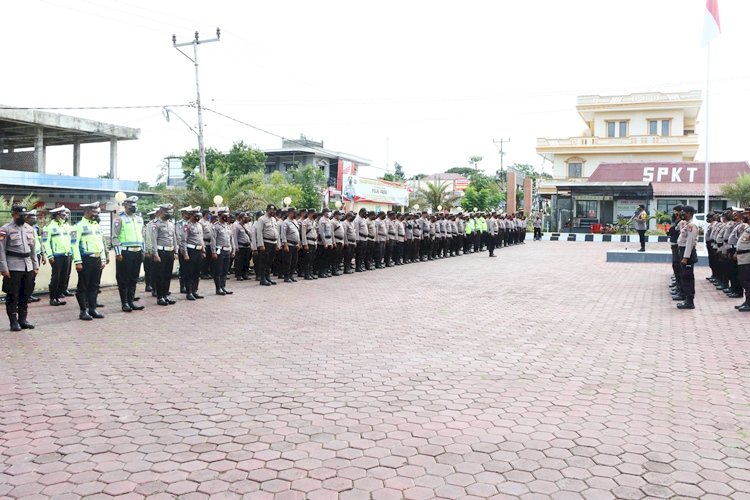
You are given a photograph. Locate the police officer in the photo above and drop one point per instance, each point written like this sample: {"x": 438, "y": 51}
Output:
{"x": 309, "y": 244}
{"x": 686, "y": 244}
{"x": 351, "y": 242}
{"x": 56, "y": 242}
{"x": 18, "y": 266}
{"x": 674, "y": 234}
{"x": 267, "y": 241}
{"x": 338, "y": 243}
{"x": 360, "y": 228}
{"x": 127, "y": 240}
{"x": 222, "y": 250}
{"x": 148, "y": 262}
{"x": 325, "y": 244}
{"x": 31, "y": 220}
{"x": 184, "y": 216}
{"x": 742, "y": 254}
{"x": 193, "y": 252}
{"x": 289, "y": 235}
{"x": 242, "y": 240}
{"x": 88, "y": 257}
{"x": 163, "y": 247}
{"x": 206, "y": 225}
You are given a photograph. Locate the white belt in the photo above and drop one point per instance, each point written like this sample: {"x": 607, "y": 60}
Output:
{"x": 226, "y": 249}
{"x": 195, "y": 247}
{"x": 166, "y": 249}
{"x": 132, "y": 249}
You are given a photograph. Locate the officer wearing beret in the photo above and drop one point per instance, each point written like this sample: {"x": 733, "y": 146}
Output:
{"x": 127, "y": 241}
{"x": 18, "y": 266}
{"x": 89, "y": 254}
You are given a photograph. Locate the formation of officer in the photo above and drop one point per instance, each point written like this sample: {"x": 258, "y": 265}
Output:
{"x": 89, "y": 258}
{"x": 728, "y": 245}
{"x": 128, "y": 244}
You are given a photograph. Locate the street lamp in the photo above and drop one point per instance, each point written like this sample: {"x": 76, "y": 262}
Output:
{"x": 416, "y": 206}
{"x": 218, "y": 200}
{"x": 120, "y": 197}
{"x": 337, "y": 205}
{"x": 476, "y": 209}
{"x": 440, "y": 208}
{"x": 287, "y": 201}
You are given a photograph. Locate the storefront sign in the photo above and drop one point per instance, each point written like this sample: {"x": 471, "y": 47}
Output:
{"x": 669, "y": 174}
{"x": 626, "y": 208}
{"x": 593, "y": 198}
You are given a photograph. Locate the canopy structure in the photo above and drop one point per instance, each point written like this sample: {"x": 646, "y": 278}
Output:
{"x": 26, "y": 133}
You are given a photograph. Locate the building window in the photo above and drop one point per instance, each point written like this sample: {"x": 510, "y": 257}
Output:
{"x": 659, "y": 127}
{"x": 587, "y": 209}
{"x": 575, "y": 169}
{"x": 668, "y": 205}
{"x": 617, "y": 129}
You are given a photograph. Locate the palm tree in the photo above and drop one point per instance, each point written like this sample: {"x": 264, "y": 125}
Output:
{"x": 29, "y": 201}
{"x": 436, "y": 195}
{"x": 216, "y": 182}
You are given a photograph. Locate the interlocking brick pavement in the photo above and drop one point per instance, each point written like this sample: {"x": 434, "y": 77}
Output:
{"x": 544, "y": 373}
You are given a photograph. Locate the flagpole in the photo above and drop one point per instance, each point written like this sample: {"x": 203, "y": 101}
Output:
{"x": 708, "y": 164}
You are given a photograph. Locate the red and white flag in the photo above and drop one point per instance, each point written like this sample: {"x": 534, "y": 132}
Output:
{"x": 711, "y": 24}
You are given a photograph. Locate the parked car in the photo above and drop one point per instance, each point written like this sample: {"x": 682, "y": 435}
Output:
{"x": 700, "y": 221}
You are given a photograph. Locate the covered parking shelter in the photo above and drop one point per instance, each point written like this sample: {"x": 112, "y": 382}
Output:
{"x": 26, "y": 133}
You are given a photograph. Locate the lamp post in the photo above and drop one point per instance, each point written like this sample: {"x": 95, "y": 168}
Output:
{"x": 337, "y": 204}
{"x": 287, "y": 201}
{"x": 218, "y": 200}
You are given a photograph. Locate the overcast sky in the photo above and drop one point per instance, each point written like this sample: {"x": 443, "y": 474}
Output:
{"x": 424, "y": 83}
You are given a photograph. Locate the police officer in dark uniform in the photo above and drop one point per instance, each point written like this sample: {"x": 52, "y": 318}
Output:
{"x": 18, "y": 266}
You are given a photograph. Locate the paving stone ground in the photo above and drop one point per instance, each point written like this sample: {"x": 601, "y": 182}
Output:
{"x": 544, "y": 373}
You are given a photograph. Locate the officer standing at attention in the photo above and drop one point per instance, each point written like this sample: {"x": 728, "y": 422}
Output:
{"x": 350, "y": 242}
{"x": 221, "y": 246}
{"x": 309, "y": 241}
{"x": 267, "y": 240}
{"x": 31, "y": 220}
{"x": 338, "y": 243}
{"x": 56, "y": 242}
{"x": 184, "y": 216}
{"x": 148, "y": 263}
{"x": 193, "y": 253}
{"x": 686, "y": 246}
{"x": 18, "y": 266}
{"x": 289, "y": 234}
{"x": 242, "y": 241}
{"x": 674, "y": 234}
{"x": 88, "y": 252}
{"x": 206, "y": 225}
{"x": 743, "y": 260}
{"x": 163, "y": 241}
{"x": 360, "y": 228}
{"x": 127, "y": 240}
{"x": 325, "y": 241}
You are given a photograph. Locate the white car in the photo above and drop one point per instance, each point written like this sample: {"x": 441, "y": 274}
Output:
{"x": 700, "y": 221}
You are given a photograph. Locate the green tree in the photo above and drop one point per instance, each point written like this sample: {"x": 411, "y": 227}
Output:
{"x": 218, "y": 182}
{"x": 474, "y": 160}
{"x": 263, "y": 191}
{"x": 29, "y": 201}
{"x": 465, "y": 171}
{"x": 435, "y": 195}
{"x": 739, "y": 190}
{"x": 397, "y": 175}
{"x": 311, "y": 181}
{"x": 240, "y": 160}
{"x": 485, "y": 198}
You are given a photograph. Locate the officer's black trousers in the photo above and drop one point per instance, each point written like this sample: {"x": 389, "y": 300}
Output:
{"x": 268, "y": 256}
{"x": 676, "y": 263}
{"x": 743, "y": 273}
{"x": 206, "y": 265}
{"x": 66, "y": 276}
{"x": 349, "y": 255}
{"x": 687, "y": 276}
{"x": 388, "y": 253}
{"x": 361, "y": 251}
{"x": 491, "y": 244}
{"x": 163, "y": 273}
{"x": 57, "y": 279}
{"x": 289, "y": 261}
{"x": 242, "y": 262}
{"x": 127, "y": 273}
{"x": 18, "y": 288}
{"x": 181, "y": 272}
{"x": 309, "y": 260}
{"x": 338, "y": 256}
{"x": 193, "y": 266}
{"x": 148, "y": 272}
{"x": 220, "y": 269}
{"x": 88, "y": 282}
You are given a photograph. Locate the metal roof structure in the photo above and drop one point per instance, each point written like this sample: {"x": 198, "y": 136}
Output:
{"x": 19, "y": 129}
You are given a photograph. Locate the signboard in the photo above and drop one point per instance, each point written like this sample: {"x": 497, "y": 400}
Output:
{"x": 346, "y": 168}
{"x": 361, "y": 189}
{"x": 670, "y": 174}
{"x": 626, "y": 208}
{"x": 589, "y": 197}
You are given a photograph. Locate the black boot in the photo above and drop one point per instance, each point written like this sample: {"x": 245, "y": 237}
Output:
{"x": 131, "y": 300}
{"x": 14, "y": 325}
{"x": 84, "y": 315}
{"x": 22, "y": 320}
{"x": 95, "y": 314}
{"x": 687, "y": 304}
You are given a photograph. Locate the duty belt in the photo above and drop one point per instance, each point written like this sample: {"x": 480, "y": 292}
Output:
{"x": 270, "y": 242}
{"x": 194, "y": 247}
{"x": 132, "y": 249}
{"x": 292, "y": 243}
{"x": 226, "y": 249}
{"x": 742, "y": 252}
{"x": 166, "y": 249}
{"x": 244, "y": 245}
{"x": 18, "y": 254}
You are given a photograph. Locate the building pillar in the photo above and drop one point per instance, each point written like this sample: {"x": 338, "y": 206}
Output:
{"x": 77, "y": 158}
{"x": 113, "y": 158}
{"x": 528, "y": 195}
{"x": 39, "y": 160}
{"x": 510, "y": 198}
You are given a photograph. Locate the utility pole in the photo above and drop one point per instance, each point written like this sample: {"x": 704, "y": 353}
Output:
{"x": 500, "y": 149}
{"x": 195, "y": 42}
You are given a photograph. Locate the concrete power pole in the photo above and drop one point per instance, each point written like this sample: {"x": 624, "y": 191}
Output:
{"x": 195, "y": 42}
{"x": 500, "y": 149}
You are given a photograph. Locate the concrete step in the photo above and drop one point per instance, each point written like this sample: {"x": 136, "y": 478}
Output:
{"x": 649, "y": 256}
